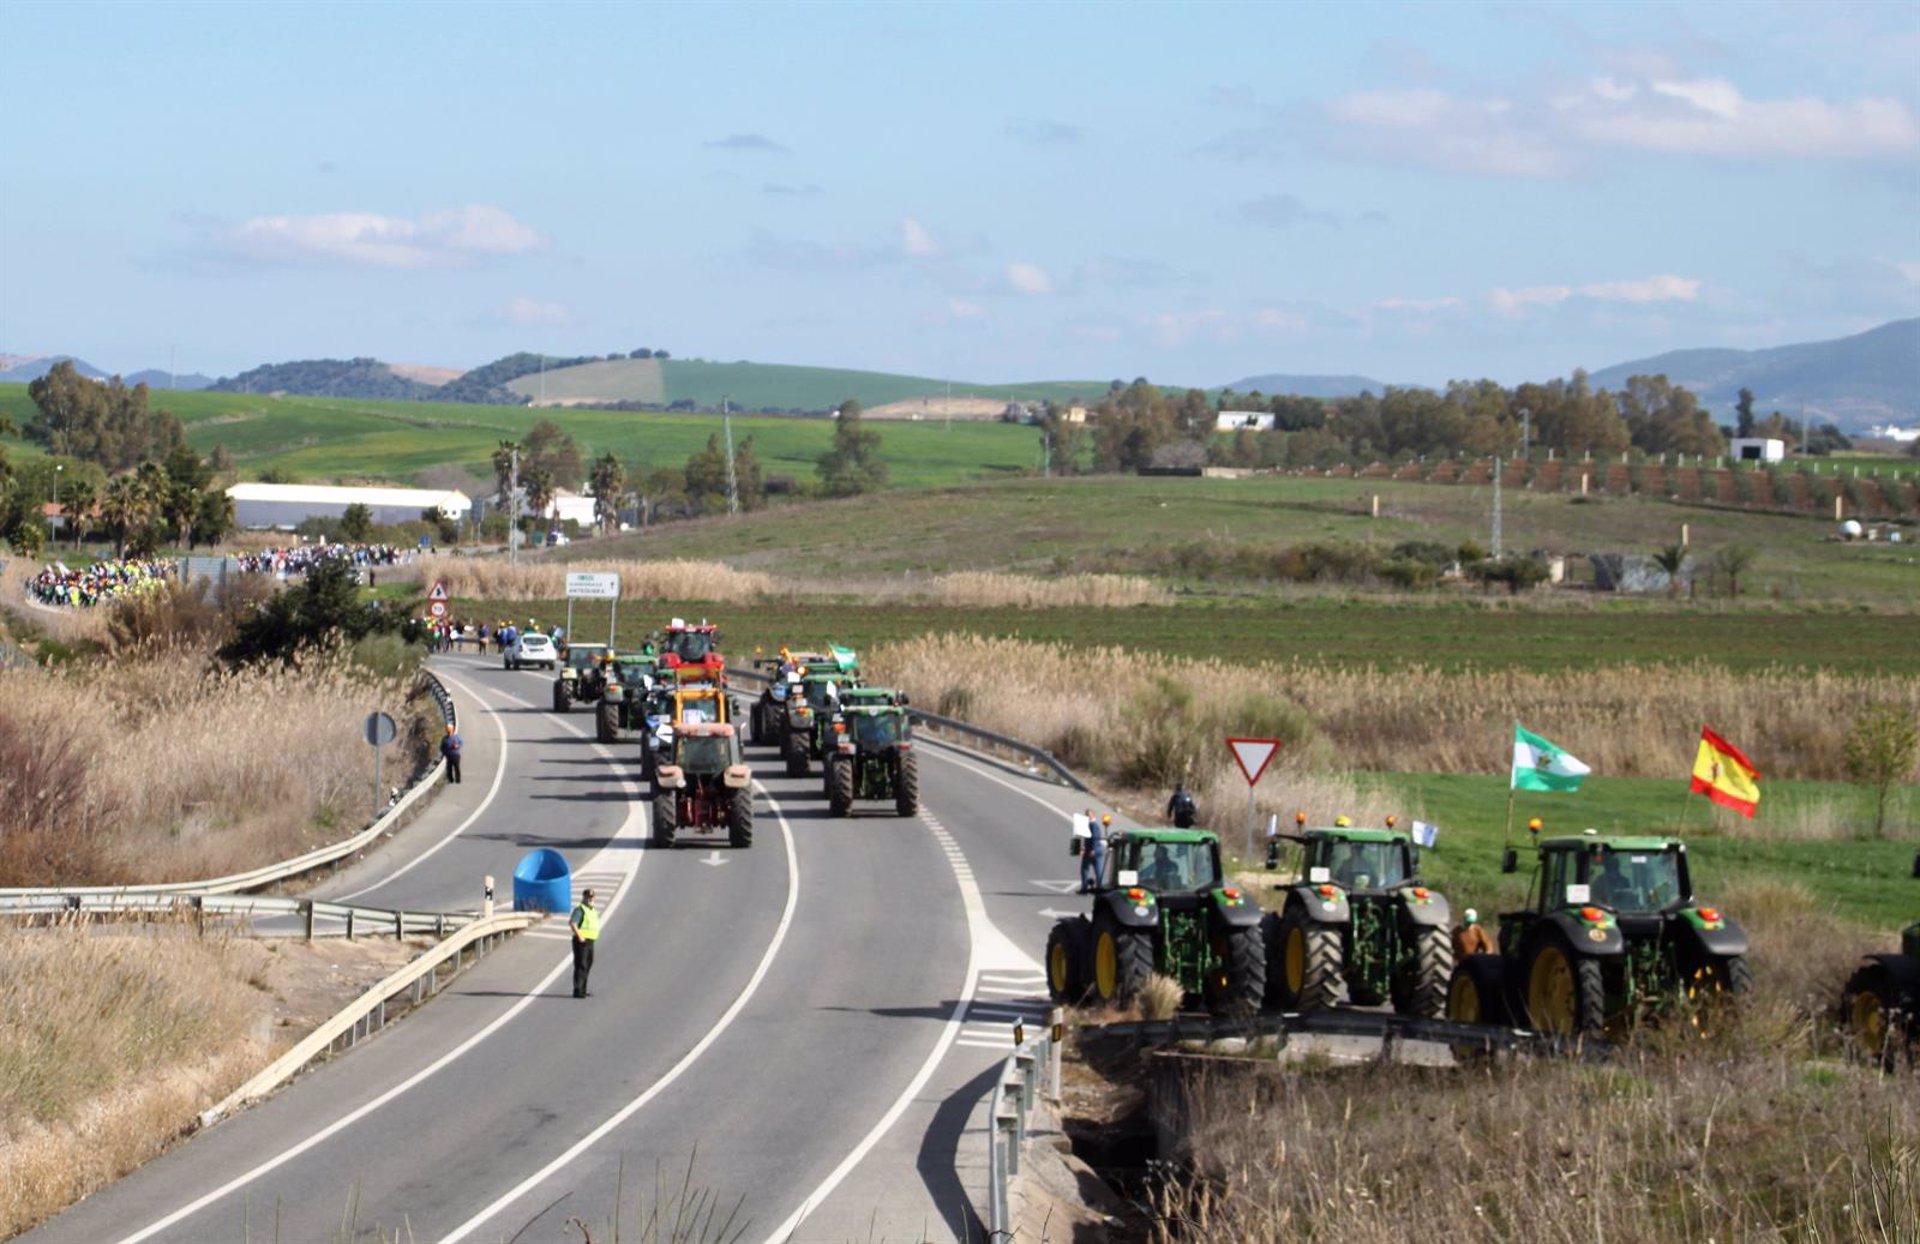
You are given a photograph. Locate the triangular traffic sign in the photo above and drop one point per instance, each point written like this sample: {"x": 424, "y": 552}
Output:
{"x": 1253, "y": 756}
{"x": 439, "y": 591}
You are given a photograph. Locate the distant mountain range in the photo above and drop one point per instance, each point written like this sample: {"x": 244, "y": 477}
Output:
{"x": 1855, "y": 382}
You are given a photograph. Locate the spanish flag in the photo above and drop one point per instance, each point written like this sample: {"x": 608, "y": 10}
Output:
{"x": 1724, "y": 775}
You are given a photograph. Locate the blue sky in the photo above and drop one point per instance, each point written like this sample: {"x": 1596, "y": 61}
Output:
{"x": 991, "y": 192}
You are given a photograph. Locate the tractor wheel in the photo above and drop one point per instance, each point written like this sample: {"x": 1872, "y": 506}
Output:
{"x": 1122, "y": 960}
{"x": 797, "y": 764}
{"x": 1237, "y": 991}
{"x": 740, "y": 819}
{"x": 840, "y": 786}
{"x": 906, "y": 786}
{"x": 756, "y": 730}
{"x": 666, "y": 818}
{"x": 1477, "y": 995}
{"x": 561, "y": 700}
{"x": 1309, "y": 963}
{"x": 606, "y": 721}
{"x": 1422, "y": 988}
{"x": 1879, "y": 1015}
{"x": 1067, "y": 961}
{"x": 1565, "y": 994}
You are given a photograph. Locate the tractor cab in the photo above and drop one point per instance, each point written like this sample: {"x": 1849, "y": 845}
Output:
{"x": 1636, "y": 884}
{"x": 876, "y": 729}
{"x": 584, "y": 657}
{"x": 705, "y": 750}
{"x": 1168, "y": 862}
{"x": 701, "y": 783}
{"x": 694, "y": 705}
{"x": 681, "y": 644}
{"x": 1363, "y": 861}
{"x": 628, "y": 672}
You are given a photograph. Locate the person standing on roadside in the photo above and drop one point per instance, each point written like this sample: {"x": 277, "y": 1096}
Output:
{"x": 1180, "y": 808}
{"x": 450, "y": 748}
{"x": 585, "y": 923}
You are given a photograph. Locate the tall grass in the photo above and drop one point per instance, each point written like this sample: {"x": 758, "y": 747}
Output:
{"x": 491, "y": 579}
{"x": 988, "y": 590}
{"x": 1754, "y": 1132}
{"x": 109, "y": 1042}
{"x": 157, "y": 767}
{"x": 1145, "y": 721}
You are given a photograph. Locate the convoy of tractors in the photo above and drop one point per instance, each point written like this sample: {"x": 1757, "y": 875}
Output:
{"x": 1611, "y": 934}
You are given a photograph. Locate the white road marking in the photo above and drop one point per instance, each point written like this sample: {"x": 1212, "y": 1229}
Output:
{"x": 714, "y": 859}
{"x": 658, "y": 1086}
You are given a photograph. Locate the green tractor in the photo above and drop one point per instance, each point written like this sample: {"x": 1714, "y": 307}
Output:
{"x": 578, "y": 681}
{"x": 700, "y": 784}
{"x": 622, "y": 711}
{"x": 1612, "y": 932}
{"x": 1162, "y": 906}
{"x": 1881, "y": 1003}
{"x": 873, "y": 756}
{"x": 1356, "y": 914}
{"x": 812, "y": 704}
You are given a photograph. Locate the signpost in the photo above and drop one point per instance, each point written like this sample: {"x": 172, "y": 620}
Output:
{"x": 1253, "y": 756}
{"x": 378, "y": 732}
{"x": 593, "y": 585}
{"x": 437, "y": 601}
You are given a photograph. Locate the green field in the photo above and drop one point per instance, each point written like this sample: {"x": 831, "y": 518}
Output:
{"x": 339, "y": 439}
{"x": 775, "y": 386}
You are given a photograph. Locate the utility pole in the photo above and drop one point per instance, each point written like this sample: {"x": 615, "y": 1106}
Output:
{"x": 513, "y": 509}
{"x": 733, "y": 481}
{"x": 1496, "y": 507}
{"x": 949, "y": 404}
{"x": 1526, "y": 433}
{"x": 543, "y": 378}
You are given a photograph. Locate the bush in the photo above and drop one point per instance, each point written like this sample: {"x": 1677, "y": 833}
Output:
{"x": 1517, "y": 573}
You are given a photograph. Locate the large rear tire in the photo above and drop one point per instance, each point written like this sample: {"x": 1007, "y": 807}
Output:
{"x": 666, "y": 818}
{"x": 740, "y": 819}
{"x": 561, "y": 700}
{"x": 1238, "y": 990}
{"x": 1477, "y": 994}
{"x": 606, "y": 721}
{"x": 1565, "y": 994}
{"x": 1422, "y": 989}
{"x": 796, "y": 755}
{"x": 1310, "y": 962}
{"x": 906, "y": 786}
{"x": 1122, "y": 960}
{"x": 1067, "y": 961}
{"x": 840, "y": 785}
{"x": 1880, "y": 1015}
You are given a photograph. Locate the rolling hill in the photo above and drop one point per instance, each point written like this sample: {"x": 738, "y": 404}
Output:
{"x": 1307, "y": 386}
{"x": 1871, "y": 377}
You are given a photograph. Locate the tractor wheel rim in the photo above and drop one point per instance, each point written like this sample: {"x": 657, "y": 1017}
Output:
{"x": 1551, "y": 996}
{"x": 1057, "y": 968}
{"x": 1106, "y": 966}
{"x": 1869, "y": 1019}
{"x": 1296, "y": 959}
{"x": 1463, "y": 1002}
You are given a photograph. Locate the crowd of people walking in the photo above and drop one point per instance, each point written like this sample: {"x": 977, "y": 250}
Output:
{"x": 98, "y": 584}
{"x": 299, "y": 558}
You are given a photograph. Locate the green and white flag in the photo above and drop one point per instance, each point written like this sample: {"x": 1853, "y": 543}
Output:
{"x": 1539, "y": 765}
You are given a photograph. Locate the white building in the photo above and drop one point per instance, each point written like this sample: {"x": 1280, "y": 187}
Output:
{"x": 1234, "y": 420}
{"x": 288, "y": 505}
{"x": 1901, "y": 436}
{"x": 1758, "y": 449}
{"x": 571, "y": 506}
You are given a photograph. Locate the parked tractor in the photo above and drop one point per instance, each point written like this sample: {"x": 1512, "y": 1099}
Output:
{"x": 702, "y": 784}
{"x": 1357, "y": 915}
{"x": 579, "y": 680}
{"x": 1162, "y": 907}
{"x": 873, "y": 756}
{"x": 1611, "y": 933}
{"x": 626, "y": 679}
{"x": 1881, "y": 1003}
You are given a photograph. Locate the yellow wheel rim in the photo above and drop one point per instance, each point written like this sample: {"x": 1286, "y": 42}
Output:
{"x": 1296, "y": 960}
{"x": 1550, "y": 993}
{"x": 1057, "y": 968}
{"x": 1463, "y": 1001}
{"x": 1106, "y": 966}
{"x": 1869, "y": 1020}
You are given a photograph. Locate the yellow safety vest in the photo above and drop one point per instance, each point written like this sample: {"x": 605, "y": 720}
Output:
{"x": 589, "y": 921}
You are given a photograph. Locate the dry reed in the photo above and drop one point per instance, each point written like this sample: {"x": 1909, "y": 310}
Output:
{"x": 987, "y": 590}
{"x": 494, "y": 579}
{"x": 157, "y": 767}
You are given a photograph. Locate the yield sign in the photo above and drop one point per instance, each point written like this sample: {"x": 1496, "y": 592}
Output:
{"x": 1253, "y": 756}
{"x": 439, "y": 591}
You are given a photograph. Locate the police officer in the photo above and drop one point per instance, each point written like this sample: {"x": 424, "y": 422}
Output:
{"x": 585, "y": 923}
{"x": 1180, "y": 808}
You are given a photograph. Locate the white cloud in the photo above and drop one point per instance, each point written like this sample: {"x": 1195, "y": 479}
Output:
{"x": 1909, "y": 269}
{"x": 369, "y": 239}
{"x": 965, "y": 309}
{"x": 915, "y": 240}
{"x": 1029, "y": 278}
{"x": 1663, "y": 288}
{"x": 1397, "y": 303}
{"x": 1710, "y": 116}
{"x": 1440, "y": 131}
{"x": 1275, "y": 320}
{"x": 524, "y": 310}
{"x": 1515, "y": 301}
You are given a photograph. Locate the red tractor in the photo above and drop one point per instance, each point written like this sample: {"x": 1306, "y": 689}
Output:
{"x": 702, "y": 785}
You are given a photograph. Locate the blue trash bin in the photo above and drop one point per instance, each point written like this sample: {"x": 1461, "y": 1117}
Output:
{"x": 542, "y": 881}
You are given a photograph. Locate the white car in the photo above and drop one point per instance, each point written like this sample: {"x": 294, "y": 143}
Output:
{"x": 532, "y": 650}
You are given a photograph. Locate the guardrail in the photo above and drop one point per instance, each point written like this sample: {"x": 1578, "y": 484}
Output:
{"x": 285, "y": 870}
{"x": 1008, "y": 1106}
{"x": 936, "y": 721}
{"x": 367, "y": 1014}
{"x": 78, "y": 904}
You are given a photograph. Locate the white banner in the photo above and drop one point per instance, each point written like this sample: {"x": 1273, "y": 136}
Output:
{"x": 587, "y": 585}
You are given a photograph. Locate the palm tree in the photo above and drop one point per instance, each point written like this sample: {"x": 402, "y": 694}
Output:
{"x": 1671, "y": 558}
{"x": 538, "y": 484}
{"x": 1734, "y": 561}
{"x": 608, "y": 480}
{"x": 80, "y": 501}
{"x": 503, "y": 471}
{"x": 125, "y": 508}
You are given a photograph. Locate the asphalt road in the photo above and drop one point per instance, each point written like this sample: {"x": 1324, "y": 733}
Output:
{"x": 799, "y": 1032}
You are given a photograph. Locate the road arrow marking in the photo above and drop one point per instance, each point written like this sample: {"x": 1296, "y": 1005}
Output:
{"x": 715, "y": 859}
{"x": 1057, "y": 887}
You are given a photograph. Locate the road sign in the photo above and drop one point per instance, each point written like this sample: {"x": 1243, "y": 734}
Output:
{"x": 1253, "y": 756}
{"x": 439, "y": 591}
{"x": 587, "y": 585}
{"x": 437, "y": 609}
{"x": 379, "y": 730}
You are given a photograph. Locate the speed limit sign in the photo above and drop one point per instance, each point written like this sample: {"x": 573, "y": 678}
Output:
{"x": 437, "y": 608}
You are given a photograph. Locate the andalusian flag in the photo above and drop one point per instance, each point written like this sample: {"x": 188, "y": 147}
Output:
{"x": 1724, "y": 775}
{"x": 1540, "y": 765}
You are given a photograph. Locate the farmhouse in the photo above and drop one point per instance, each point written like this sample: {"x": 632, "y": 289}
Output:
{"x": 288, "y": 505}
{"x": 1234, "y": 420}
{"x": 1758, "y": 449}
